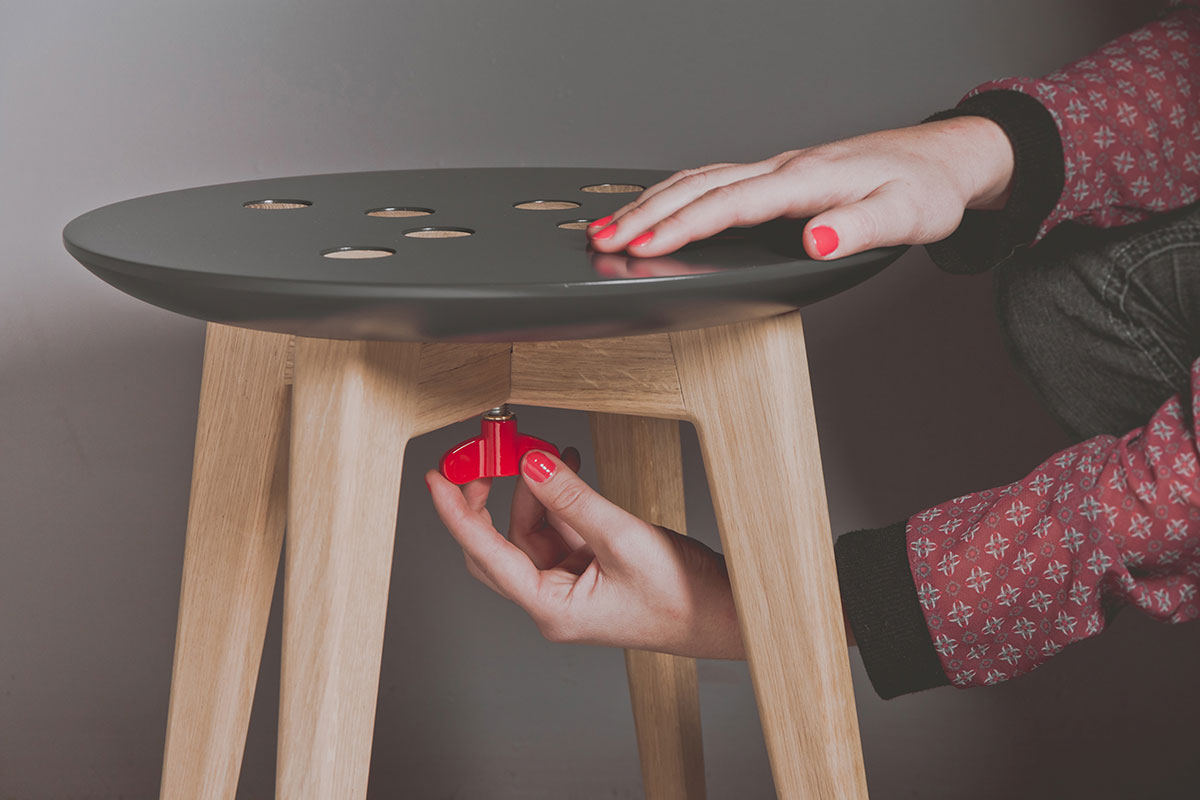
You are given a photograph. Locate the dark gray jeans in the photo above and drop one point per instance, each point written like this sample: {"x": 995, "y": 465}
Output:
{"x": 1105, "y": 323}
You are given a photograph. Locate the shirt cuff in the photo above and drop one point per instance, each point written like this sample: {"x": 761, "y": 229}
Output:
{"x": 879, "y": 599}
{"x": 986, "y": 238}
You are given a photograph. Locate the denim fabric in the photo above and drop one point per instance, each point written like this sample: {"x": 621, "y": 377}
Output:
{"x": 1104, "y": 324}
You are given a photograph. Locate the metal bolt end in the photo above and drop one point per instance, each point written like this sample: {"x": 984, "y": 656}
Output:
{"x": 500, "y": 412}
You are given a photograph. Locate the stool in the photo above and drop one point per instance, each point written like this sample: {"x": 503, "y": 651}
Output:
{"x": 348, "y": 313}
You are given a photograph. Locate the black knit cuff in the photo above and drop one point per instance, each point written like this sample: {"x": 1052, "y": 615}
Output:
{"x": 985, "y": 238}
{"x": 879, "y": 599}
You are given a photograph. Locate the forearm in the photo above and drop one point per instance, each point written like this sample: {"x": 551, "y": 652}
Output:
{"x": 1107, "y": 140}
{"x": 1126, "y": 115}
{"x": 1004, "y": 578}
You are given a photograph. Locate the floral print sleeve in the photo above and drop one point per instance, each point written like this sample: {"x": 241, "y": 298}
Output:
{"x": 1105, "y": 141}
{"x": 1128, "y": 117}
{"x": 1009, "y": 576}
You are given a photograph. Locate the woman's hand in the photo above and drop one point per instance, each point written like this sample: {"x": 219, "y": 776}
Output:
{"x": 587, "y": 571}
{"x": 904, "y": 186}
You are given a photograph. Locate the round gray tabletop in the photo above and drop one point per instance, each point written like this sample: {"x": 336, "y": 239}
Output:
{"x": 470, "y": 254}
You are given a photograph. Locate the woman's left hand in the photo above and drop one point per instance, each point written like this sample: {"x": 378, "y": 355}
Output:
{"x": 904, "y": 186}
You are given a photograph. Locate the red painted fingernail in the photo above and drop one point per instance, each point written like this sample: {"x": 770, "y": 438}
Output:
{"x": 601, "y": 221}
{"x": 607, "y": 232}
{"x": 826, "y": 239}
{"x": 538, "y": 467}
{"x": 645, "y": 237}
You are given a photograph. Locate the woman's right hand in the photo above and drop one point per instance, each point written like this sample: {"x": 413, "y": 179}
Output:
{"x": 904, "y": 186}
{"x": 589, "y": 572}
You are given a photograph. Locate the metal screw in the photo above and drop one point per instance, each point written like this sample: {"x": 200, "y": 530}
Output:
{"x": 500, "y": 412}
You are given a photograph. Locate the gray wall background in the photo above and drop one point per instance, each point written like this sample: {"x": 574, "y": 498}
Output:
{"x": 98, "y": 393}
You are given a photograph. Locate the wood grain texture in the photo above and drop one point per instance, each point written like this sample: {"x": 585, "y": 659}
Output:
{"x": 640, "y": 468}
{"x": 747, "y": 390}
{"x": 633, "y": 375}
{"x": 459, "y": 380}
{"x": 235, "y": 525}
{"x": 354, "y": 406}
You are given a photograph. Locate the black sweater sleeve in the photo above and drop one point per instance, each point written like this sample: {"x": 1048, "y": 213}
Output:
{"x": 879, "y": 599}
{"x": 985, "y": 238}
{"x": 878, "y": 594}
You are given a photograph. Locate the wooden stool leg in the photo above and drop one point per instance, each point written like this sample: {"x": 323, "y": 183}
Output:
{"x": 746, "y": 387}
{"x": 641, "y": 469}
{"x": 352, "y": 414}
{"x": 235, "y": 525}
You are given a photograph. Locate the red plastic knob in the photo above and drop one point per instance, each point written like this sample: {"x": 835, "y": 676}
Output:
{"x": 495, "y": 452}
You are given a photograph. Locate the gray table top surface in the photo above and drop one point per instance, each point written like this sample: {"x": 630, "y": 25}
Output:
{"x": 273, "y": 254}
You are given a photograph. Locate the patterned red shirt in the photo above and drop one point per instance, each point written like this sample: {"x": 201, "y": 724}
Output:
{"x": 1006, "y": 577}
{"x": 1128, "y": 116}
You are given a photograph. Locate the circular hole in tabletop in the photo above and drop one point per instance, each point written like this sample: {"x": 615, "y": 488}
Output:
{"x": 612, "y": 188}
{"x": 358, "y": 252}
{"x": 546, "y": 205}
{"x": 575, "y": 224}
{"x": 276, "y": 204}
{"x": 438, "y": 233}
{"x": 400, "y": 211}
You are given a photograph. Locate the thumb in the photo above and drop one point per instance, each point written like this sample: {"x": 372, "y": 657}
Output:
{"x": 611, "y": 531}
{"x": 885, "y": 217}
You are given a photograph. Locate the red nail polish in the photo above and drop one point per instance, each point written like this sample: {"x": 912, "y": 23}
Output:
{"x": 826, "y": 239}
{"x": 606, "y": 233}
{"x": 640, "y": 240}
{"x": 601, "y": 221}
{"x": 538, "y": 467}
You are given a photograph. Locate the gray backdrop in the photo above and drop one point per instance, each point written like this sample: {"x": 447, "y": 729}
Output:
{"x": 98, "y": 393}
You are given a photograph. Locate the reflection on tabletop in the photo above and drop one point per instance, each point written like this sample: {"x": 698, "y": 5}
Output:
{"x": 624, "y": 265}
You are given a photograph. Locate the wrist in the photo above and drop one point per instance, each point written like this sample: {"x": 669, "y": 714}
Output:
{"x": 996, "y": 159}
{"x": 981, "y": 156}
{"x": 998, "y": 223}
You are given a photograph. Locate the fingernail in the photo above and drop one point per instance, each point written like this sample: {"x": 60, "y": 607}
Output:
{"x": 640, "y": 240}
{"x": 607, "y": 232}
{"x": 538, "y": 467}
{"x": 826, "y": 239}
{"x": 601, "y": 221}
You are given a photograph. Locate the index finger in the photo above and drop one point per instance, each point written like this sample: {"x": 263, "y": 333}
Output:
{"x": 527, "y": 512}
{"x": 667, "y": 183}
{"x": 634, "y": 220}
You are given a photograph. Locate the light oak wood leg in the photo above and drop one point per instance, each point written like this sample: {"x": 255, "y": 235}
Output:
{"x": 235, "y": 525}
{"x": 354, "y": 406}
{"x": 640, "y": 468}
{"x": 746, "y": 387}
